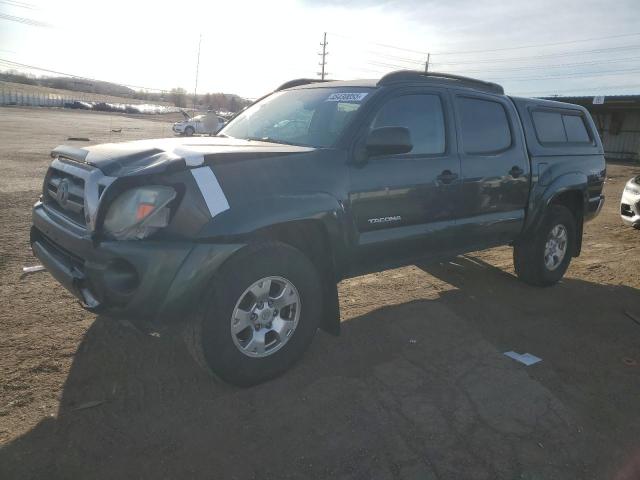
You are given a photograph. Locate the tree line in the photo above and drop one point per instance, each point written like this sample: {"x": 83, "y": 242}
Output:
{"x": 208, "y": 101}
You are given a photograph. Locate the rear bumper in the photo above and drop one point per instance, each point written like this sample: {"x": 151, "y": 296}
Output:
{"x": 145, "y": 278}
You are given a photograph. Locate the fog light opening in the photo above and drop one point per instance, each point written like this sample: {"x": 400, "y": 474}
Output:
{"x": 121, "y": 277}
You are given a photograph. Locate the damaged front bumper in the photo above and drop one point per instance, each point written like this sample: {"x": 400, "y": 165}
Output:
{"x": 146, "y": 278}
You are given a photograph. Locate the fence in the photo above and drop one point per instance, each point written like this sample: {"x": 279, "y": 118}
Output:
{"x": 8, "y": 97}
{"x": 36, "y": 96}
{"x": 97, "y": 102}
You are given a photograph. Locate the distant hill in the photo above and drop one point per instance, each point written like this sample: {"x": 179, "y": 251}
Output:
{"x": 102, "y": 88}
{"x": 66, "y": 83}
{"x": 178, "y": 96}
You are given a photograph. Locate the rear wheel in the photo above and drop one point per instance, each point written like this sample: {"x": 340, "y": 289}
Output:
{"x": 543, "y": 259}
{"x": 264, "y": 309}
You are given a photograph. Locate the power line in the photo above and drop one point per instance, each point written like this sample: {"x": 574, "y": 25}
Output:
{"x": 12, "y": 64}
{"x": 589, "y": 89}
{"x": 395, "y": 57}
{"x": 466, "y": 52}
{"x": 549, "y": 55}
{"x": 557, "y": 65}
{"x": 539, "y": 45}
{"x": 571, "y": 75}
{"x": 379, "y": 44}
{"x": 14, "y": 3}
{"x": 565, "y": 75}
{"x": 387, "y": 65}
{"x": 24, "y": 20}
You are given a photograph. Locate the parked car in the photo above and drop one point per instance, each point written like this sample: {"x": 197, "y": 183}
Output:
{"x": 630, "y": 203}
{"x": 77, "y": 104}
{"x": 132, "y": 109}
{"x": 244, "y": 236}
{"x": 208, "y": 124}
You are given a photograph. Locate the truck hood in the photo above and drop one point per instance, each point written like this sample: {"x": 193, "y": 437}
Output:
{"x": 145, "y": 157}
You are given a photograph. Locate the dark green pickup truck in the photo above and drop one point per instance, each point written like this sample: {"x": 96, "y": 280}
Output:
{"x": 246, "y": 234}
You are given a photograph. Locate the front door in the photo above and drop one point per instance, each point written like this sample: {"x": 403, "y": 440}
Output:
{"x": 403, "y": 205}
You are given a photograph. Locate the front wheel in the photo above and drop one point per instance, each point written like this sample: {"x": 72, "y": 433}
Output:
{"x": 264, "y": 309}
{"x": 543, "y": 259}
{"x": 189, "y": 131}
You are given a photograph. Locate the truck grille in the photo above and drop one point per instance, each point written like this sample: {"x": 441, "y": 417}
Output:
{"x": 64, "y": 193}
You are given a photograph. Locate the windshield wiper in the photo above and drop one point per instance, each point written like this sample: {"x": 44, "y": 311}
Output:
{"x": 273, "y": 140}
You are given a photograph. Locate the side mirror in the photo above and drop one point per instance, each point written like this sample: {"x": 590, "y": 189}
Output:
{"x": 388, "y": 141}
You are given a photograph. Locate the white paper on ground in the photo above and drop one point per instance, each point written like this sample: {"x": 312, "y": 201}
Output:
{"x": 525, "y": 358}
{"x": 35, "y": 268}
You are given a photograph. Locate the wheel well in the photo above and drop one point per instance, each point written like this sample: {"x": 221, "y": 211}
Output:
{"x": 574, "y": 201}
{"x": 308, "y": 236}
{"x": 312, "y": 239}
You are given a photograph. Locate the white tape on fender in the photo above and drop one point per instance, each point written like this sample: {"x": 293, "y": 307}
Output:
{"x": 192, "y": 158}
{"x": 211, "y": 190}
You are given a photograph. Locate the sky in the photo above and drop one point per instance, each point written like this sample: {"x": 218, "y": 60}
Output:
{"x": 533, "y": 47}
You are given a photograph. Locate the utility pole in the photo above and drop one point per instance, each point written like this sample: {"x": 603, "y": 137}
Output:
{"x": 426, "y": 65}
{"x": 324, "y": 56}
{"x": 195, "y": 90}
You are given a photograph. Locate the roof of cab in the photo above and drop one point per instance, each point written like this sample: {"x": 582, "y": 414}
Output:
{"x": 399, "y": 77}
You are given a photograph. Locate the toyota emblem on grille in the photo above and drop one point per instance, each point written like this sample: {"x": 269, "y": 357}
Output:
{"x": 62, "y": 195}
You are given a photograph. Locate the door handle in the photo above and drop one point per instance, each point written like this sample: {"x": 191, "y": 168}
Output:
{"x": 447, "y": 176}
{"x": 516, "y": 171}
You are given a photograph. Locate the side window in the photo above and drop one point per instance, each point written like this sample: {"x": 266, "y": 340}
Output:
{"x": 484, "y": 126}
{"x": 575, "y": 128}
{"x": 422, "y": 115}
{"x": 558, "y": 127}
{"x": 549, "y": 127}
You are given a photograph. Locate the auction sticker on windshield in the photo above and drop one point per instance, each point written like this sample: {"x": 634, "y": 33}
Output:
{"x": 347, "y": 97}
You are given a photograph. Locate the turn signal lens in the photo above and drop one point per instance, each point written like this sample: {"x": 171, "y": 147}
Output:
{"x": 144, "y": 209}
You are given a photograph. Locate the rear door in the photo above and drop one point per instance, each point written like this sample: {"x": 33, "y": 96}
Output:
{"x": 495, "y": 170}
{"x": 403, "y": 205}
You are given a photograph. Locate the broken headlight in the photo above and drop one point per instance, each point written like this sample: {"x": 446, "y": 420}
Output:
{"x": 139, "y": 212}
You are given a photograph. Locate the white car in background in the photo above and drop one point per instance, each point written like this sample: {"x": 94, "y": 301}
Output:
{"x": 630, "y": 203}
{"x": 208, "y": 124}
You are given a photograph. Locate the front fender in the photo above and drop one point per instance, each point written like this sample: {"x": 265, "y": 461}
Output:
{"x": 243, "y": 221}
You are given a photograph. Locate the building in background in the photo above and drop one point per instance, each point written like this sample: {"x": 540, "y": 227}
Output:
{"x": 618, "y": 120}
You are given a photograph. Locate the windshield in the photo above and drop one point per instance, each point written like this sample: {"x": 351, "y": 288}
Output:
{"x": 310, "y": 117}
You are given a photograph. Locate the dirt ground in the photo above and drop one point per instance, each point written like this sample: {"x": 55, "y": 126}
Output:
{"x": 416, "y": 387}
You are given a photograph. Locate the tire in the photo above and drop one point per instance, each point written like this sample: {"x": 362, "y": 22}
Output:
{"x": 529, "y": 256}
{"x": 189, "y": 131}
{"x": 230, "y": 356}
